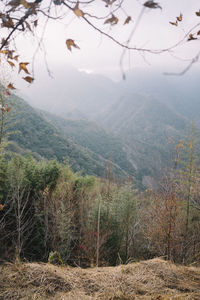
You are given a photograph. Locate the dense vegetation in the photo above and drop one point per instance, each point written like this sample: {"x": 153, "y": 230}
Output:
{"x": 45, "y": 208}
{"x": 49, "y": 212}
{"x": 30, "y": 132}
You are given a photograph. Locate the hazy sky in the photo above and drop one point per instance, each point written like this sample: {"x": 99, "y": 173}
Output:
{"x": 99, "y": 54}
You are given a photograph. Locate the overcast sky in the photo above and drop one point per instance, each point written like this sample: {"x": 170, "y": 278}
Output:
{"x": 100, "y": 55}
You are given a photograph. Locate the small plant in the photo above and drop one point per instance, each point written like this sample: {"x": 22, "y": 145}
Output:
{"x": 55, "y": 258}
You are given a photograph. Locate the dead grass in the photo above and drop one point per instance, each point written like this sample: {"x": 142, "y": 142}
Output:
{"x": 153, "y": 279}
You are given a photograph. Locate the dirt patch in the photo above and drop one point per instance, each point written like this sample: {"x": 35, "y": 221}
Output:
{"x": 149, "y": 280}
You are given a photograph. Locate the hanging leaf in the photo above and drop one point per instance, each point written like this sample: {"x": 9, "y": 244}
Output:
{"x": 113, "y": 20}
{"x": 174, "y": 23}
{"x": 1, "y": 207}
{"x": 28, "y": 79}
{"x": 35, "y": 23}
{"x": 7, "y": 22}
{"x": 11, "y": 63}
{"x": 152, "y": 4}
{"x": 16, "y": 57}
{"x": 70, "y": 43}
{"x": 109, "y": 2}
{"x": 14, "y": 3}
{"x": 191, "y": 37}
{"x": 26, "y": 4}
{"x": 10, "y": 54}
{"x": 128, "y": 19}
{"x": 22, "y": 66}
{"x": 11, "y": 87}
{"x": 180, "y": 18}
{"x": 3, "y": 41}
{"x": 4, "y": 51}
{"x": 28, "y": 25}
{"x": 78, "y": 12}
{"x": 198, "y": 13}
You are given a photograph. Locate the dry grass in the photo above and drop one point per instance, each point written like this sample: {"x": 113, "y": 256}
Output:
{"x": 153, "y": 279}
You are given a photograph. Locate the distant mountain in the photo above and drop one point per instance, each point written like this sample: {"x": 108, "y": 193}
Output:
{"x": 146, "y": 125}
{"x": 181, "y": 93}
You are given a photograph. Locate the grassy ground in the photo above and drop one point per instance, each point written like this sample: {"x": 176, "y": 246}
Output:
{"x": 153, "y": 279}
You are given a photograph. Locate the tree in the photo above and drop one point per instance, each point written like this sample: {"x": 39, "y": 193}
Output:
{"x": 19, "y": 201}
{"x": 22, "y": 17}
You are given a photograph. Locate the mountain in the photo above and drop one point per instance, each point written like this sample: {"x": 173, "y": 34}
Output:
{"x": 96, "y": 139}
{"x": 145, "y": 124}
{"x": 136, "y": 118}
{"x": 30, "y": 132}
{"x": 181, "y": 93}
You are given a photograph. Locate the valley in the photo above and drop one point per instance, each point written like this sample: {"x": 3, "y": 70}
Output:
{"x": 133, "y": 124}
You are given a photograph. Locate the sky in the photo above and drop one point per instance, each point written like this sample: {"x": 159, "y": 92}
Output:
{"x": 100, "y": 55}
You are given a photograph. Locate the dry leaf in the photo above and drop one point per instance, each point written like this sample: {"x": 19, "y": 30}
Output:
{"x": 128, "y": 19}
{"x": 152, "y": 4}
{"x": 11, "y": 63}
{"x": 35, "y": 23}
{"x": 22, "y": 66}
{"x": 198, "y": 13}
{"x": 7, "y": 22}
{"x": 10, "y": 86}
{"x": 109, "y": 2}
{"x": 180, "y": 18}
{"x": 78, "y": 12}
{"x": 174, "y": 23}
{"x": 198, "y": 33}
{"x": 28, "y": 79}
{"x": 1, "y": 206}
{"x": 191, "y": 37}
{"x": 4, "y": 51}
{"x": 113, "y": 20}
{"x": 70, "y": 43}
{"x": 26, "y": 4}
{"x": 28, "y": 25}
{"x": 8, "y": 109}
{"x": 10, "y": 54}
{"x": 3, "y": 41}
{"x": 14, "y": 3}
{"x": 16, "y": 57}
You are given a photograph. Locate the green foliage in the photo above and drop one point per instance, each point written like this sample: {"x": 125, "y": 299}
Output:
{"x": 30, "y": 132}
{"x": 87, "y": 220}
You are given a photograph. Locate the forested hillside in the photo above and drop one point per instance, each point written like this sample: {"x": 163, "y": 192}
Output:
{"x": 149, "y": 127}
{"x": 93, "y": 137}
{"x": 30, "y": 132}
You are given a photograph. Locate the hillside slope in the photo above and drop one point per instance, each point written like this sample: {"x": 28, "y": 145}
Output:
{"x": 151, "y": 280}
{"x": 146, "y": 124}
{"x": 30, "y": 132}
{"x": 93, "y": 137}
